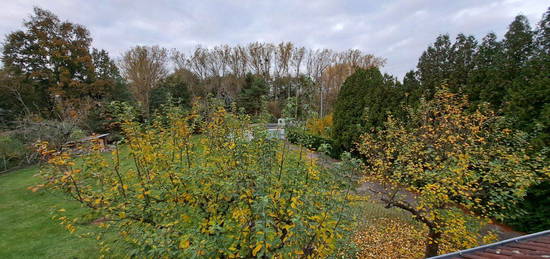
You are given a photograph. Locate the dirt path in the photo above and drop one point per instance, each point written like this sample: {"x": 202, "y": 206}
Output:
{"x": 366, "y": 188}
{"x": 370, "y": 188}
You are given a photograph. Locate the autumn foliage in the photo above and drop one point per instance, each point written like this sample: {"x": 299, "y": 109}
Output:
{"x": 320, "y": 126}
{"x": 230, "y": 192}
{"x": 461, "y": 168}
{"x": 390, "y": 238}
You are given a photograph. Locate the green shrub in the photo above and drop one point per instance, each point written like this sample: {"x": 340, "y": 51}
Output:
{"x": 314, "y": 142}
{"x": 535, "y": 208}
{"x": 104, "y": 119}
{"x": 221, "y": 194}
{"x": 320, "y": 126}
{"x": 57, "y": 133}
{"x": 12, "y": 152}
{"x": 17, "y": 146}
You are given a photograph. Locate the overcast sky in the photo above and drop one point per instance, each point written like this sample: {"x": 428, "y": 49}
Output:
{"x": 397, "y": 30}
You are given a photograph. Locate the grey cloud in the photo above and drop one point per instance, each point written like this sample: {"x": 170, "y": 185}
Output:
{"x": 397, "y": 30}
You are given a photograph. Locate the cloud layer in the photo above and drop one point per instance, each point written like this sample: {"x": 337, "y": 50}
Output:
{"x": 397, "y": 30}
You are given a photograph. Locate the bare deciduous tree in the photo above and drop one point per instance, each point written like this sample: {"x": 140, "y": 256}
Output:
{"x": 144, "y": 67}
{"x": 221, "y": 67}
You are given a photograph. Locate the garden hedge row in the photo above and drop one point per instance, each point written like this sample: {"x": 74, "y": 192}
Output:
{"x": 310, "y": 141}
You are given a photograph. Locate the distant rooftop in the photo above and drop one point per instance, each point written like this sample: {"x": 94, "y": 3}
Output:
{"x": 535, "y": 245}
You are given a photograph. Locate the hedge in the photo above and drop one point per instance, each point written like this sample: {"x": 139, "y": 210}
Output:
{"x": 310, "y": 141}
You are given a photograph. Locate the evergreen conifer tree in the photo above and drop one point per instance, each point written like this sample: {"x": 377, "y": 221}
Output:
{"x": 250, "y": 95}
{"x": 358, "y": 91}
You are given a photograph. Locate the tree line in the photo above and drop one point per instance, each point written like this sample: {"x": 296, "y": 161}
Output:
{"x": 467, "y": 129}
{"x": 511, "y": 74}
{"x": 51, "y": 69}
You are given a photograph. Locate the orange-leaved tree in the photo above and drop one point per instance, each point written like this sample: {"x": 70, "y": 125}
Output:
{"x": 450, "y": 168}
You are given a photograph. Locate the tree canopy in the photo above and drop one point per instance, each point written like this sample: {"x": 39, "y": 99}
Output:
{"x": 450, "y": 159}
{"x": 56, "y": 65}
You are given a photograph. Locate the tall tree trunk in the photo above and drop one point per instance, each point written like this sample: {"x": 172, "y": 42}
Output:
{"x": 297, "y": 102}
{"x": 146, "y": 104}
{"x": 432, "y": 246}
{"x": 321, "y": 101}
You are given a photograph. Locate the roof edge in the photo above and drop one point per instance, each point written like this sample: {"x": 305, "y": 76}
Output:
{"x": 503, "y": 242}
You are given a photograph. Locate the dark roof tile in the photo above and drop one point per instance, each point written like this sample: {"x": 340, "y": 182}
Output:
{"x": 533, "y": 246}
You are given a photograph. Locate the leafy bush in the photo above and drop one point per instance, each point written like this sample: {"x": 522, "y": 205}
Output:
{"x": 12, "y": 152}
{"x": 299, "y": 136}
{"x": 57, "y": 133}
{"x": 17, "y": 146}
{"x": 230, "y": 192}
{"x": 450, "y": 158}
{"x": 535, "y": 208}
{"x": 320, "y": 126}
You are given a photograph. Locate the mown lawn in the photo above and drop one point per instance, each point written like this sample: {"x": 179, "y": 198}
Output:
{"x": 27, "y": 229}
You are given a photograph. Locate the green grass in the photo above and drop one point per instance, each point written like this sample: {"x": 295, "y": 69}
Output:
{"x": 27, "y": 229}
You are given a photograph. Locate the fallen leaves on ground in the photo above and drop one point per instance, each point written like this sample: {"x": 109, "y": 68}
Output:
{"x": 390, "y": 238}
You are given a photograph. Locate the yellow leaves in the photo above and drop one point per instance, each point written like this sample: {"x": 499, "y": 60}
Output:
{"x": 65, "y": 177}
{"x": 288, "y": 227}
{"x": 219, "y": 187}
{"x": 184, "y": 244}
{"x": 230, "y": 145}
{"x": 70, "y": 227}
{"x": 320, "y": 126}
{"x": 60, "y": 160}
{"x": 316, "y": 218}
{"x": 452, "y": 139}
{"x": 489, "y": 238}
{"x": 295, "y": 202}
{"x": 276, "y": 194}
{"x": 240, "y": 214}
{"x": 185, "y": 218}
{"x": 390, "y": 238}
{"x": 186, "y": 197}
{"x": 35, "y": 188}
{"x": 313, "y": 173}
{"x": 257, "y": 249}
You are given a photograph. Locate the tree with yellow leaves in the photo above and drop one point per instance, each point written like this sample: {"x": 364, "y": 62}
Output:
{"x": 230, "y": 192}
{"x": 450, "y": 168}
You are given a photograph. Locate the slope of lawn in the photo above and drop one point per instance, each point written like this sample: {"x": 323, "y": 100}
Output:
{"x": 27, "y": 229}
